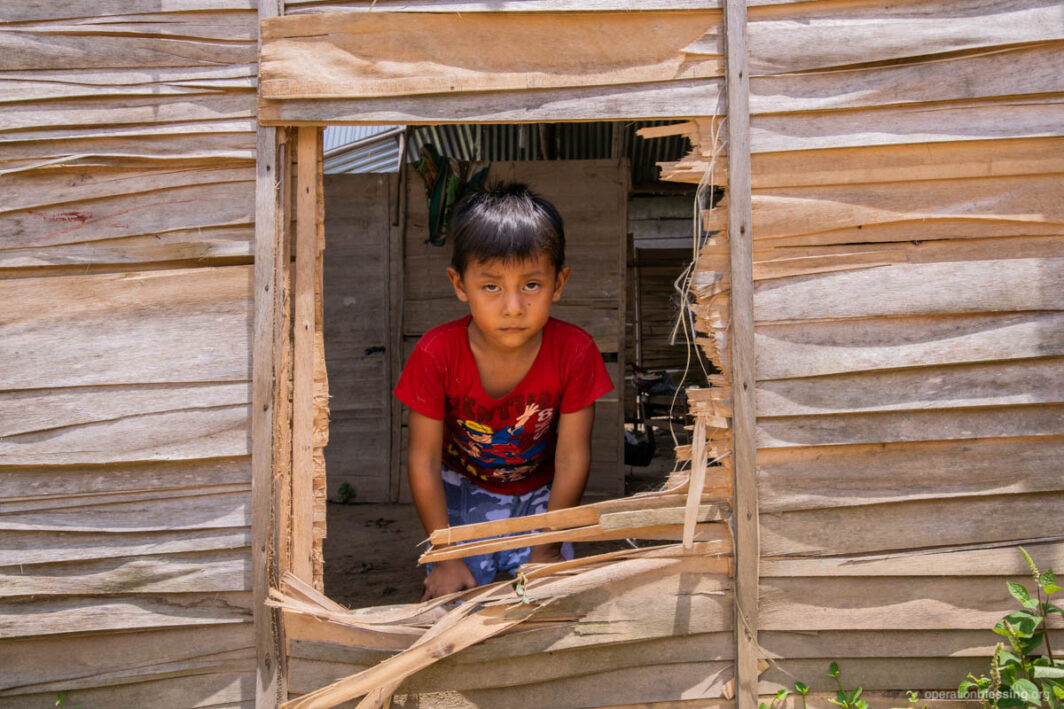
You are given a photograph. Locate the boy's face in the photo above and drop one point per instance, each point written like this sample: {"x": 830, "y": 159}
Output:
{"x": 510, "y": 301}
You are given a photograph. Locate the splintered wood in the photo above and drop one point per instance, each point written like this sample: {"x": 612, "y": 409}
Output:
{"x": 907, "y": 263}
{"x": 564, "y": 598}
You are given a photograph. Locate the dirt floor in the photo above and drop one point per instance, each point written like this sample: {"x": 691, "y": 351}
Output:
{"x": 371, "y": 550}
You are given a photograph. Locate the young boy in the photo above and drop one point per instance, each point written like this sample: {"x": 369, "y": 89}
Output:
{"x": 501, "y": 401}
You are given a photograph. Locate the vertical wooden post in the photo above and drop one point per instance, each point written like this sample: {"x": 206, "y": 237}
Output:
{"x": 268, "y": 289}
{"x": 271, "y": 685}
{"x": 303, "y": 355}
{"x": 747, "y": 551}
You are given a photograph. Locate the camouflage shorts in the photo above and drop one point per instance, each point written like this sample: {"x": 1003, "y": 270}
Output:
{"x": 468, "y": 503}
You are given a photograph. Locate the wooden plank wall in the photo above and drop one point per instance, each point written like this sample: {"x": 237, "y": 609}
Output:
{"x": 591, "y": 196}
{"x": 359, "y": 211}
{"x": 127, "y": 175}
{"x": 909, "y": 271}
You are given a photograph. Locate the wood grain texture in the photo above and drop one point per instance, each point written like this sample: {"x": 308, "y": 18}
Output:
{"x": 336, "y": 55}
{"x": 358, "y": 217}
{"x": 127, "y": 170}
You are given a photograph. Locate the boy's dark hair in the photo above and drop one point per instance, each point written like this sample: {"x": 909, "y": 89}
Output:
{"x": 508, "y": 222}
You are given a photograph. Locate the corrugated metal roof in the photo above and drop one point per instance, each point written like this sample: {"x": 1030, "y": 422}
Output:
{"x": 338, "y": 136}
{"x": 572, "y": 141}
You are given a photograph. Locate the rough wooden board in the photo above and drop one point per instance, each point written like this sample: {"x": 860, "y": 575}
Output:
{"x": 51, "y": 188}
{"x": 1031, "y": 69}
{"x": 812, "y": 349}
{"x": 910, "y": 525}
{"x": 41, "y": 10}
{"x": 792, "y": 39}
{"x": 182, "y": 248}
{"x": 37, "y": 504}
{"x": 915, "y": 289}
{"x": 362, "y": 55}
{"x": 905, "y": 162}
{"x": 48, "y": 48}
{"x": 965, "y": 385}
{"x": 37, "y": 547}
{"x": 304, "y": 315}
{"x": 204, "y": 433}
{"x": 34, "y": 140}
{"x": 206, "y": 510}
{"x": 919, "y": 123}
{"x": 465, "y": 672}
{"x": 828, "y": 644}
{"x": 993, "y": 562}
{"x": 34, "y": 617}
{"x": 87, "y": 114}
{"x": 840, "y": 476}
{"x": 466, "y": 6}
{"x": 58, "y": 486}
{"x": 26, "y": 87}
{"x": 198, "y": 572}
{"x": 789, "y": 261}
{"x": 884, "y": 603}
{"x": 876, "y": 674}
{"x": 889, "y": 427}
{"x": 177, "y": 326}
{"x": 1019, "y": 200}
{"x": 598, "y": 103}
{"x": 40, "y": 410}
{"x": 222, "y": 689}
{"x": 648, "y": 683}
{"x": 153, "y": 213}
{"x": 70, "y": 662}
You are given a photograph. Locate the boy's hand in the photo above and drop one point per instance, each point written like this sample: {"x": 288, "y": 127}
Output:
{"x": 546, "y": 554}
{"x": 447, "y": 577}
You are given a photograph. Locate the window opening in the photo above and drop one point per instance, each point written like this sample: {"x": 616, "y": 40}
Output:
{"x": 383, "y": 286}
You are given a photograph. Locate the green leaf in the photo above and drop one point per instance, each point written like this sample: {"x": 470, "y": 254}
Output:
{"x": 801, "y": 688}
{"x": 1046, "y": 672}
{"x": 1023, "y": 622}
{"x": 1027, "y": 690}
{"x": 964, "y": 687}
{"x": 1051, "y": 588}
{"x": 833, "y": 669}
{"x": 1029, "y": 646}
{"x": 1047, "y": 578}
{"x": 1058, "y": 692}
{"x": 782, "y": 694}
{"x": 1019, "y": 592}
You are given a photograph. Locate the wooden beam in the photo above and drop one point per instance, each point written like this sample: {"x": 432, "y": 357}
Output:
{"x": 271, "y": 685}
{"x": 740, "y": 242}
{"x": 303, "y": 356}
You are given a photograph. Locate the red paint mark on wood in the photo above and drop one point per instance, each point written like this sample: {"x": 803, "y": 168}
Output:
{"x": 80, "y": 217}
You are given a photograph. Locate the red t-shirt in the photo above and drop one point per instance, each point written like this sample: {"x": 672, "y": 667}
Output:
{"x": 504, "y": 445}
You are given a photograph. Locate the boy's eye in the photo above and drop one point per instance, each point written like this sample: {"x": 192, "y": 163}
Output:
{"x": 490, "y": 287}
{"x": 533, "y": 285}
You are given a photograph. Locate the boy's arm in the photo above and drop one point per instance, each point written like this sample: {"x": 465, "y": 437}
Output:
{"x": 572, "y": 461}
{"x": 426, "y": 487}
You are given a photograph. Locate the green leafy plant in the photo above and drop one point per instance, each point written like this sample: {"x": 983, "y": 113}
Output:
{"x": 346, "y": 492}
{"x": 844, "y": 699}
{"x": 803, "y": 689}
{"x": 1019, "y": 679}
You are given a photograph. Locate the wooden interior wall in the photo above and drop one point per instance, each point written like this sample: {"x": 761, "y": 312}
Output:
{"x": 909, "y": 281}
{"x": 591, "y": 197}
{"x": 359, "y": 211}
{"x": 127, "y": 175}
